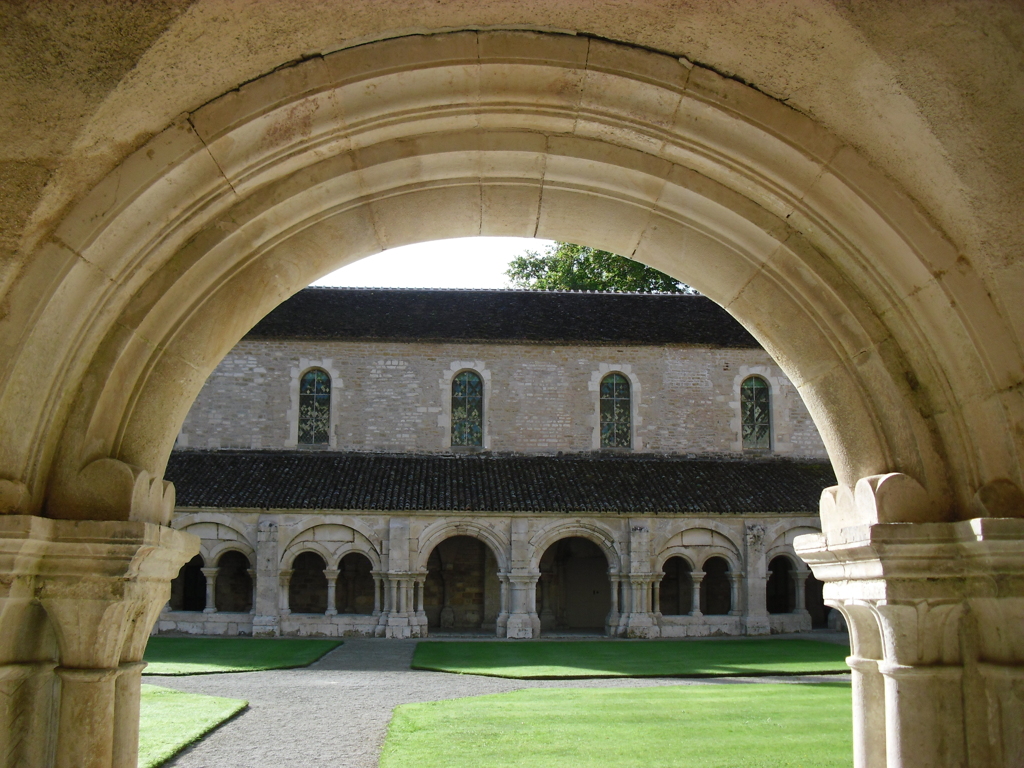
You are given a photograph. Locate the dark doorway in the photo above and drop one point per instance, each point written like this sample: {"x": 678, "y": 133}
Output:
{"x": 574, "y": 591}
{"x": 355, "y": 584}
{"x": 307, "y": 592}
{"x": 188, "y": 588}
{"x": 815, "y": 603}
{"x": 779, "y": 594}
{"x": 462, "y": 590}
{"x": 234, "y": 584}
{"x": 676, "y": 595}
{"x": 715, "y": 589}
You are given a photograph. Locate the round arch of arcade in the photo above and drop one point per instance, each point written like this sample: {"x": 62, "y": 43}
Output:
{"x": 438, "y": 532}
{"x": 338, "y": 157}
{"x": 602, "y": 537}
{"x": 908, "y": 367}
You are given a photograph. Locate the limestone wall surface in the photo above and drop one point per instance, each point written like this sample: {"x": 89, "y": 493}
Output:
{"x": 538, "y": 398}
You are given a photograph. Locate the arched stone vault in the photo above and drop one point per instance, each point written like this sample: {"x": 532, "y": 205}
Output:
{"x": 836, "y": 272}
{"x": 873, "y": 250}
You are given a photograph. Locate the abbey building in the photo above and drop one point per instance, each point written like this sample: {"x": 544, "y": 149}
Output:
{"x": 394, "y": 463}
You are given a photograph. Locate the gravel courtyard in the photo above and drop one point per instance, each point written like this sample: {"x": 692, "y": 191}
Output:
{"x": 336, "y": 711}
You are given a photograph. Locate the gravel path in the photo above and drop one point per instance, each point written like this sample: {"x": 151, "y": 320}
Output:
{"x": 336, "y": 712}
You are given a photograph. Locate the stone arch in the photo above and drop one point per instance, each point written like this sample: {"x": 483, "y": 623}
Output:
{"x": 664, "y": 555}
{"x": 705, "y": 178}
{"x": 357, "y": 548}
{"x": 733, "y": 537}
{"x": 223, "y": 547}
{"x": 290, "y": 553}
{"x": 357, "y": 526}
{"x": 730, "y": 558}
{"x": 434, "y": 534}
{"x": 593, "y": 532}
{"x": 201, "y": 524}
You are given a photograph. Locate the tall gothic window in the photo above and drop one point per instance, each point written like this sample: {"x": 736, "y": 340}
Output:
{"x": 755, "y": 411}
{"x": 314, "y": 408}
{"x": 467, "y": 409}
{"x": 615, "y": 411}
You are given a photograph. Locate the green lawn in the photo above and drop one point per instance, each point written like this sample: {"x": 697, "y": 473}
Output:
{"x": 696, "y": 726}
{"x": 205, "y": 655}
{"x": 666, "y": 658}
{"x": 171, "y": 720}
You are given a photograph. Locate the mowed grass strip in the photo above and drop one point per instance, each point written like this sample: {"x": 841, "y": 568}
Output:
{"x": 696, "y": 726}
{"x": 210, "y": 655}
{"x": 171, "y": 720}
{"x": 665, "y": 658}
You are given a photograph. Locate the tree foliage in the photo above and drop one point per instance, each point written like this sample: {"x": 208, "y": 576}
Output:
{"x": 571, "y": 267}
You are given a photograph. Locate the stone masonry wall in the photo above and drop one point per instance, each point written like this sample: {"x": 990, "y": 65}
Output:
{"x": 539, "y": 398}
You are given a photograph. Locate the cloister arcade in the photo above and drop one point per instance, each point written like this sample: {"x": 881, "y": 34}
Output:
{"x": 864, "y": 228}
{"x": 579, "y": 576}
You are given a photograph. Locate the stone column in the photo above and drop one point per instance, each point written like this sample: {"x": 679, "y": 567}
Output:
{"x": 935, "y": 612}
{"x": 640, "y": 619}
{"x": 376, "y": 593}
{"x": 614, "y": 615}
{"x": 127, "y": 702}
{"x": 799, "y": 599}
{"x": 696, "y": 577}
{"x": 267, "y": 586}
{"x": 284, "y": 581}
{"x": 252, "y": 578}
{"x": 332, "y": 591}
{"x": 656, "y": 587}
{"x": 421, "y": 611}
{"x": 29, "y": 691}
{"x": 97, "y": 588}
{"x": 523, "y": 622}
{"x": 211, "y": 589}
{"x": 501, "y": 623}
{"x": 735, "y": 580}
{"x": 753, "y": 608}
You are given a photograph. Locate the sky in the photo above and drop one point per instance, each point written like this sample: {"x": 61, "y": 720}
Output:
{"x": 466, "y": 262}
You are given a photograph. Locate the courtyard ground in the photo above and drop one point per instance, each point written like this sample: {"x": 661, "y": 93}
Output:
{"x": 336, "y": 711}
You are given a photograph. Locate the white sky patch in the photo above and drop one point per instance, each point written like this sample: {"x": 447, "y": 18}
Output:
{"x": 466, "y": 262}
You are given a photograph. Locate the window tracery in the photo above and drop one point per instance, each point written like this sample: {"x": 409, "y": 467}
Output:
{"x": 467, "y": 409}
{"x": 314, "y": 408}
{"x": 755, "y": 413}
{"x": 616, "y": 424}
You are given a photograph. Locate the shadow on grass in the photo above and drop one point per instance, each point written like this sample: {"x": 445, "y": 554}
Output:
{"x": 587, "y": 659}
{"x": 172, "y": 656}
{"x": 170, "y": 721}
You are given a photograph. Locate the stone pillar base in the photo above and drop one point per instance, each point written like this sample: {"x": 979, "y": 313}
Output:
{"x": 266, "y": 626}
{"x": 756, "y": 625}
{"x": 642, "y": 626}
{"x": 520, "y": 626}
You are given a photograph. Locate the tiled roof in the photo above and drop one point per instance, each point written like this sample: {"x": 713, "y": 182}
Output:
{"x": 479, "y": 315}
{"x": 373, "y": 481}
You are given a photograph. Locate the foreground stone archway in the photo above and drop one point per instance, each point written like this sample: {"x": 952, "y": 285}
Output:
{"x": 890, "y": 336}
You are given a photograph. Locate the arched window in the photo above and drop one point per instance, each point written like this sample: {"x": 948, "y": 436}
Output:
{"x": 615, "y": 412}
{"x": 315, "y": 408}
{"x": 755, "y": 411}
{"x": 467, "y": 409}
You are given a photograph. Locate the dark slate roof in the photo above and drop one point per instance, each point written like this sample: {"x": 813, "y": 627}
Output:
{"x": 580, "y": 483}
{"x": 489, "y": 315}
